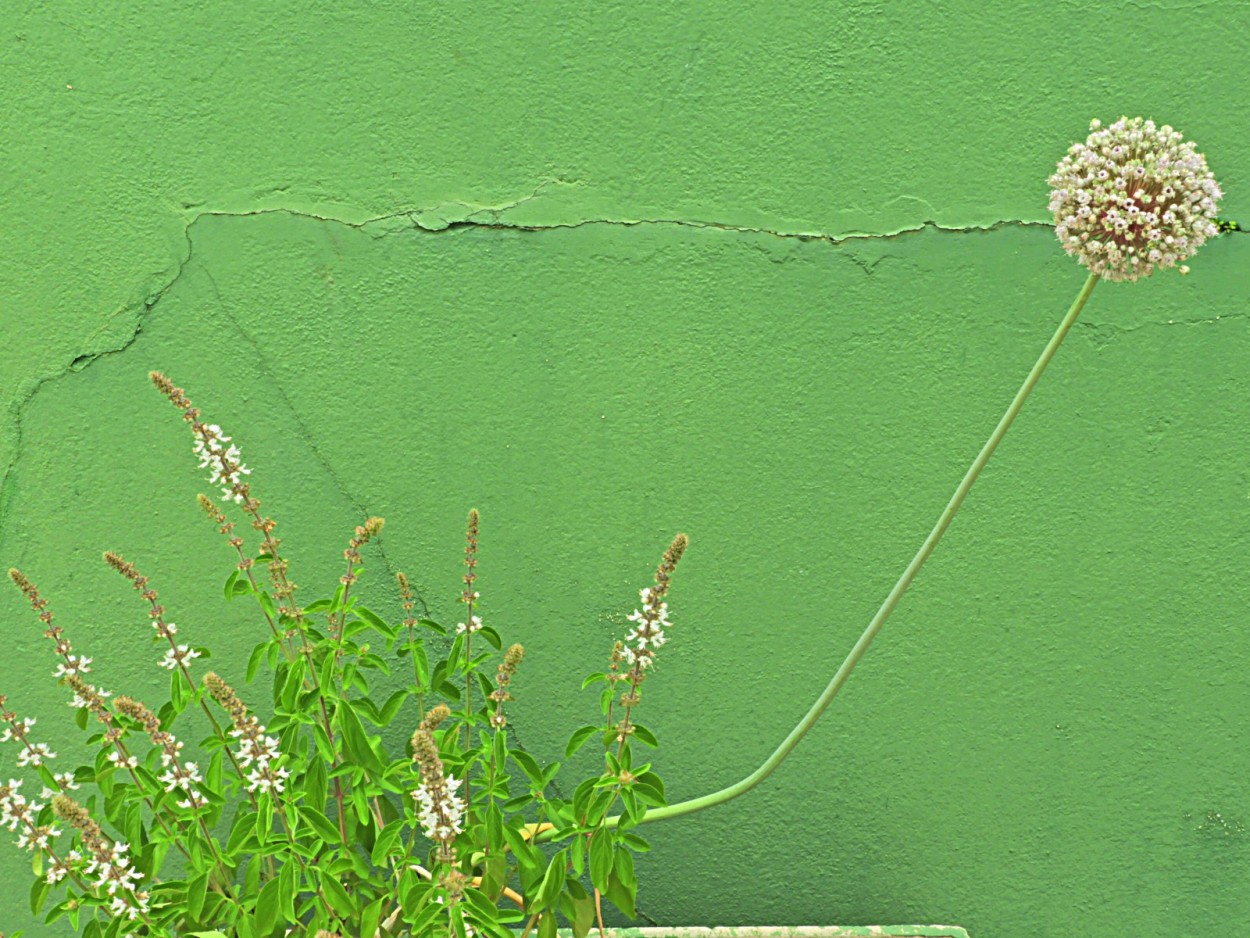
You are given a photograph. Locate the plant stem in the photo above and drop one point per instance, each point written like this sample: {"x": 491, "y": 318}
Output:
{"x": 887, "y": 607}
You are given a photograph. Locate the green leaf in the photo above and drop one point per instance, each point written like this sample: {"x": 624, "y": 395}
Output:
{"x": 527, "y": 765}
{"x": 325, "y": 678}
{"x": 319, "y": 605}
{"x": 266, "y": 603}
{"x": 228, "y": 589}
{"x": 322, "y": 826}
{"x": 601, "y": 858}
{"x": 494, "y": 875}
{"x": 392, "y": 705}
{"x": 337, "y": 896}
{"x": 581, "y": 797}
{"x": 356, "y": 742}
{"x": 423, "y": 666}
{"x": 634, "y": 842}
{"x": 196, "y": 890}
{"x": 527, "y": 855}
{"x": 264, "y": 819}
{"x": 593, "y": 679}
{"x": 547, "y": 926}
{"x": 244, "y": 825}
{"x": 267, "y": 906}
{"x": 39, "y": 890}
{"x": 375, "y": 620}
{"x": 337, "y": 604}
{"x": 578, "y": 907}
{"x": 644, "y": 735}
{"x": 649, "y": 789}
{"x": 315, "y": 785}
{"x": 623, "y": 885}
{"x": 289, "y": 879}
{"x": 579, "y": 738}
{"x": 369, "y": 918}
{"x": 553, "y": 881}
{"x": 387, "y": 841}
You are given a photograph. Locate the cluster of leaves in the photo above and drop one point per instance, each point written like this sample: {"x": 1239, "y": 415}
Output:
{"x": 341, "y": 848}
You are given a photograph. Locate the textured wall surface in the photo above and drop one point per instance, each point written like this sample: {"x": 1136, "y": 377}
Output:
{"x": 766, "y": 274}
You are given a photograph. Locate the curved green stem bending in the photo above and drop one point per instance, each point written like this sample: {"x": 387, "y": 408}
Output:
{"x": 887, "y": 607}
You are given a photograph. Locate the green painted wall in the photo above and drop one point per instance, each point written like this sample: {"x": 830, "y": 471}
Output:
{"x": 767, "y": 274}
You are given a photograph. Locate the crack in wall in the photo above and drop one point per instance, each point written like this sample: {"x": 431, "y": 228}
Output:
{"x": 449, "y": 217}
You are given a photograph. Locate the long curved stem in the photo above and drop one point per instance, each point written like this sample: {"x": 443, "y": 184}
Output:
{"x": 887, "y": 607}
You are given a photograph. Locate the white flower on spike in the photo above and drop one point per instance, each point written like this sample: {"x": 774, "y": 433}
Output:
{"x": 182, "y": 656}
{"x": 186, "y": 777}
{"x": 475, "y": 625}
{"x": 77, "y": 701}
{"x": 65, "y": 782}
{"x": 648, "y": 632}
{"x": 34, "y": 755}
{"x": 259, "y": 749}
{"x": 224, "y": 464}
{"x": 8, "y": 732}
{"x": 74, "y": 664}
{"x": 267, "y": 779}
{"x": 440, "y": 812}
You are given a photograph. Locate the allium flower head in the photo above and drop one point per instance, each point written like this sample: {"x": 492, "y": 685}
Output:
{"x": 1132, "y": 198}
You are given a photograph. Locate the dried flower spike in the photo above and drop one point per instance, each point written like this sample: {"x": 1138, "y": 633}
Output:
{"x": 1133, "y": 198}
{"x": 503, "y": 677}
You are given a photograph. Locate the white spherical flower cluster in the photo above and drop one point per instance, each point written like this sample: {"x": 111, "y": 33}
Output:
{"x": 1133, "y": 198}
{"x": 225, "y": 465}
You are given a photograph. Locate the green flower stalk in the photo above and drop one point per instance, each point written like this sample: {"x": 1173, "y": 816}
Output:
{"x": 1132, "y": 199}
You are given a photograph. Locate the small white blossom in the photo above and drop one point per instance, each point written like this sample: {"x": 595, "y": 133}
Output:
{"x": 128, "y": 762}
{"x": 261, "y": 750}
{"x": 19, "y": 733}
{"x": 648, "y": 632}
{"x": 186, "y": 777}
{"x": 180, "y": 657}
{"x": 266, "y": 779}
{"x": 78, "y": 701}
{"x": 14, "y": 808}
{"x": 34, "y": 755}
{"x": 475, "y": 625}
{"x": 224, "y": 464}
{"x": 1148, "y": 196}
{"x": 440, "y": 811}
{"x": 65, "y": 782}
{"x": 37, "y": 839}
{"x": 73, "y": 664}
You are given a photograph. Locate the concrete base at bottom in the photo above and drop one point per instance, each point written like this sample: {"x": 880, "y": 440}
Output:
{"x": 784, "y": 931}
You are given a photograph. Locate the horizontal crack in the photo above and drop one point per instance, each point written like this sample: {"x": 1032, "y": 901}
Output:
{"x": 433, "y": 222}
